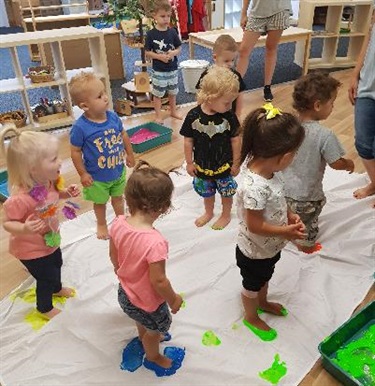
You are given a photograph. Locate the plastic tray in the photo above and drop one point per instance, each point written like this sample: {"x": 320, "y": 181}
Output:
{"x": 4, "y": 185}
{"x": 350, "y": 331}
{"x": 164, "y": 137}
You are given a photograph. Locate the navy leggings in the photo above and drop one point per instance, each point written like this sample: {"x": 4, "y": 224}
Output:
{"x": 47, "y": 273}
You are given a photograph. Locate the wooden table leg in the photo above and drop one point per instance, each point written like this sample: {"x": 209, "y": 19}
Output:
{"x": 191, "y": 47}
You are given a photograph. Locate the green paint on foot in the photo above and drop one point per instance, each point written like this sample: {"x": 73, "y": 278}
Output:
{"x": 183, "y": 305}
{"x": 36, "y": 319}
{"x": 210, "y": 339}
{"x": 266, "y": 336}
{"x": 283, "y": 311}
{"x": 29, "y": 296}
{"x": 275, "y": 372}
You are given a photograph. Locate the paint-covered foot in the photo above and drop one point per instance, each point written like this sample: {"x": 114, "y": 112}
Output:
{"x": 272, "y": 308}
{"x": 51, "y": 314}
{"x": 66, "y": 292}
{"x": 168, "y": 363}
{"x": 261, "y": 329}
{"x": 221, "y": 223}
{"x": 102, "y": 232}
{"x": 309, "y": 250}
{"x": 203, "y": 220}
{"x": 165, "y": 337}
{"x": 364, "y": 192}
{"x": 132, "y": 355}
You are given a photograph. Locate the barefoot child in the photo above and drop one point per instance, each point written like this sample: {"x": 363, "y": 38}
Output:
{"x": 99, "y": 147}
{"x": 314, "y": 95}
{"x": 31, "y": 211}
{"x": 163, "y": 46}
{"x": 270, "y": 141}
{"x": 212, "y": 143}
{"x": 138, "y": 253}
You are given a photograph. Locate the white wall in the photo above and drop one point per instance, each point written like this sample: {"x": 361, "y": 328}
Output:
{"x": 295, "y": 7}
{"x": 3, "y": 15}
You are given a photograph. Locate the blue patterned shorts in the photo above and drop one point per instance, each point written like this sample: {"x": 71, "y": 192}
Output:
{"x": 164, "y": 83}
{"x": 226, "y": 187}
{"x": 159, "y": 320}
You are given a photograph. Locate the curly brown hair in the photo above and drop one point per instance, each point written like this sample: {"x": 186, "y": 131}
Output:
{"x": 148, "y": 189}
{"x": 312, "y": 87}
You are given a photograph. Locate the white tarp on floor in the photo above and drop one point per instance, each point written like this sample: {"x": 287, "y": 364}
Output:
{"x": 83, "y": 345}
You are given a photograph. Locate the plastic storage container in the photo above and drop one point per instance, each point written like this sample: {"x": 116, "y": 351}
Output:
{"x": 164, "y": 137}
{"x": 350, "y": 331}
{"x": 191, "y": 72}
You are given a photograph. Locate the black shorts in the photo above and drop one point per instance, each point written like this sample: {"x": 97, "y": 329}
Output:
{"x": 255, "y": 272}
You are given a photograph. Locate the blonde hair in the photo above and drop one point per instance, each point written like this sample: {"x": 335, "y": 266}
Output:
{"x": 25, "y": 151}
{"x": 224, "y": 43}
{"x": 78, "y": 86}
{"x": 218, "y": 81}
{"x": 161, "y": 5}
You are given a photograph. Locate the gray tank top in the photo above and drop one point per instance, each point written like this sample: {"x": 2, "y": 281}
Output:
{"x": 366, "y": 85}
{"x": 267, "y": 8}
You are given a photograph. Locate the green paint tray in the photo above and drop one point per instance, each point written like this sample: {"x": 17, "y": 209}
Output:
{"x": 4, "y": 194}
{"x": 165, "y": 136}
{"x": 350, "y": 331}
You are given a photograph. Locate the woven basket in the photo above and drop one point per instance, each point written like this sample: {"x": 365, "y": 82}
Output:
{"x": 41, "y": 74}
{"x": 18, "y": 117}
{"x": 134, "y": 41}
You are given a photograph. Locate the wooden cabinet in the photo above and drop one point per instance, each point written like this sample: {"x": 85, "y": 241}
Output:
{"x": 335, "y": 31}
{"x": 55, "y": 39}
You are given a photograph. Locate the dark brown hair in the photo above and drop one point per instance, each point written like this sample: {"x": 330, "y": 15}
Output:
{"x": 148, "y": 189}
{"x": 312, "y": 87}
{"x": 268, "y": 138}
{"x": 161, "y": 5}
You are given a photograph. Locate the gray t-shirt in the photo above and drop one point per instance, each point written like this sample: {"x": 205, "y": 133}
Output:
{"x": 267, "y": 8}
{"x": 304, "y": 177}
{"x": 366, "y": 85}
{"x": 258, "y": 193}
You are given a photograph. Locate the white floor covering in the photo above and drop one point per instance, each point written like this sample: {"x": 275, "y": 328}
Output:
{"x": 83, "y": 345}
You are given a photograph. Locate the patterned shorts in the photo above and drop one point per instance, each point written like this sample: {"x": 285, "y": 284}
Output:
{"x": 226, "y": 187}
{"x": 164, "y": 82}
{"x": 279, "y": 21}
{"x": 159, "y": 320}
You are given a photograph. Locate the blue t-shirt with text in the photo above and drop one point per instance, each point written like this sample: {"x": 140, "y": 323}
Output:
{"x": 102, "y": 146}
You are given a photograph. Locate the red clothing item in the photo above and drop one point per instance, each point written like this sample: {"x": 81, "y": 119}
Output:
{"x": 182, "y": 12}
{"x": 198, "y": 11}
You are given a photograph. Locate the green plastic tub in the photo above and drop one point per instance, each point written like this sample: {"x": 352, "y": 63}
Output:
{"x": 164, "y": 137}
{"x": 4, "y": 194}
{"x": 357, "y": 366}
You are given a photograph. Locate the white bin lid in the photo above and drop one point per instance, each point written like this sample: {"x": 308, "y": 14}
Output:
{"x": 192, "y": 63}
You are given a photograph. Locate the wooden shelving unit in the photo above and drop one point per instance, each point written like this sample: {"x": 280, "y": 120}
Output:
{"x": 330, "y": 32}
{"x": 54, "y": 39}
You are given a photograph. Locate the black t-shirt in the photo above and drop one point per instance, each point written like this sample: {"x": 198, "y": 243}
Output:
{"x": 212, "y": 136}
{"x": 162, "y": 41}
{"x": 242, "y": 84}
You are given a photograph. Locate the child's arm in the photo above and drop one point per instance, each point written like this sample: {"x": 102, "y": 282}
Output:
{"x": 256, "y": 224}
{"x": 239, "y": 104}
{"x": 70, "y": 191}
{"x": 236, "y": 150}
{"x": 162, "y": 57}
{"x": 163, "y": 286}
{"x": 343, "y": 164}
{"x": 130, "y": 161}
{"x": 113, "y": 255}
{"x": 188, "y": 151}
{"x": 32, "y": 224}
{"x": 175, "y": 52}
{"x": 76, "y": 154}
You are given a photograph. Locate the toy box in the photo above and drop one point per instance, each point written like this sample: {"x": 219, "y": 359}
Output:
{"x": 355, "y": 366}
{"x": 164, "y": 136}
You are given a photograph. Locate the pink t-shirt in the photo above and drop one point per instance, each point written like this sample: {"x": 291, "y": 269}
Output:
{"x": 20, "y": 206}
{"x": 137, "y": 248}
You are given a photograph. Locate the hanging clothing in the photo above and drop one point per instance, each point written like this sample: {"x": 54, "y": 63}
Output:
{"x": 182, "y": 12}
{"x": 198, "y": 11}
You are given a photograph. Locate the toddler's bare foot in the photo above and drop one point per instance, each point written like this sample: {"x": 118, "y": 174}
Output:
{"x": 66, "y": 292}
{"x": 314, "y": 248}
{"x": 159, "y": 119}
{"x": 162, "y": 361}
{"x": 175, "y": 114}
{"x": 364, "y": 192}
{"x": 203, "y": 220}
{"x": 221, "y": 223}
{"x": 273, "y": 308}
{"x": 258, "y": 323}
{"x": 102, "y": 232}
{"x": 51, "y": 314}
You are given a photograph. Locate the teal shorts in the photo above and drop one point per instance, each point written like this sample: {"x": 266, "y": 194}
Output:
{"x": 99, "y": 192}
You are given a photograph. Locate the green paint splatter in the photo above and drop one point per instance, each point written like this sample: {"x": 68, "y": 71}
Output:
{"x": 262, "y": 334}
{"x": 183, "y": 305}
{"x": 210, "y": 339}
{"x": 358, "y": 357}
{"x": 275, "y": 372}
{"x": 36, "y": 319}
{"x": 29, "y": 296}
{"x": 235, "y": 326}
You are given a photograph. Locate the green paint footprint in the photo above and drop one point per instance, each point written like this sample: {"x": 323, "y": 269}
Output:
{"x": 210, "y": 339}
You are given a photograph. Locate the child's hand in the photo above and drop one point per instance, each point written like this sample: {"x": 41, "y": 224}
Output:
{"x": 34, "y": 224}
{"x": 130, "y": 161}
{"x": 73, "y": 190}
{"x": 191, "y": 169}
{"x": 175, "y": 307}
{"x": 86, "y": 180}
{"x": 164, "y": 58}
{"x": 234, "y": 170}
{"x": 349, "y": 166}
{"x": 293, "y": 218}
{"x": 295, "y": 231}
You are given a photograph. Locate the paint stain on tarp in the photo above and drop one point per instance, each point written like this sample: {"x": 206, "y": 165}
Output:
{"x": 275, "y": 372}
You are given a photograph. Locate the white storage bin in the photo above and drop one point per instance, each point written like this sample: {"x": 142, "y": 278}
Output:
{"x": 191, "y": 72}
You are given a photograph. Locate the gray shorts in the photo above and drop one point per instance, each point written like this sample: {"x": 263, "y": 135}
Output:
{"x": 159, "y": 320}
{"x": 279, "y": 21}
{"x": 164, "y": 83}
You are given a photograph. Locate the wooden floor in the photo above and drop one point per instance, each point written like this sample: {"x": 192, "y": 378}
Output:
{"x": 171, "y": 155}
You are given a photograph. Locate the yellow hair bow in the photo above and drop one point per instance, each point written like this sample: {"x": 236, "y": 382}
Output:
{"x": 60, "y": 183}
{"x": 271, "y": 111}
